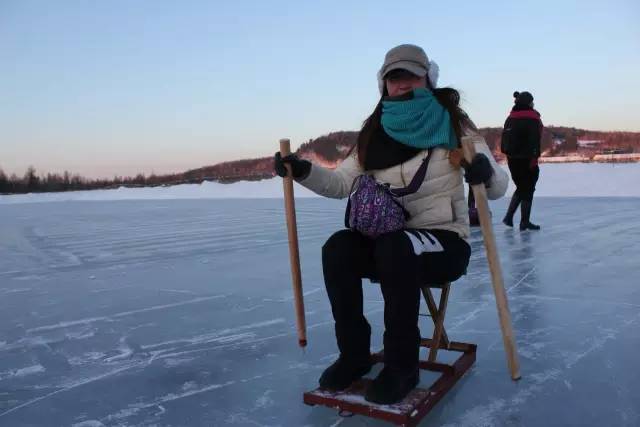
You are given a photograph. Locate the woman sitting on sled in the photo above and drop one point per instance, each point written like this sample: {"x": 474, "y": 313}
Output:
{"x": 413, "y": 119}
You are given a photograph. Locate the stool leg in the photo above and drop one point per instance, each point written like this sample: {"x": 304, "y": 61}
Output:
{"x": 439, "y": 323}
{"x": 433, "y": 311}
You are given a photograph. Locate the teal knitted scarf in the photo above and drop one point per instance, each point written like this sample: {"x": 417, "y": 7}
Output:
{"x": 421, "y": 122}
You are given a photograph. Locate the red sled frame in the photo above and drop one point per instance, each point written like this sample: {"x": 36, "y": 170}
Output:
{"x": 413, "y": 408}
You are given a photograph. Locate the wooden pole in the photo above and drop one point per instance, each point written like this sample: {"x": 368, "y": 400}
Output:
{"x": 482, "y": 205}
{"x": 294, "y": 254}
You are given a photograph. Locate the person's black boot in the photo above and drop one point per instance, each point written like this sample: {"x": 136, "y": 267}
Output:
{"x": 342, "y": 373}
{"x": 525, "y": 224}
{"x": 353, "y": 339}
{"x": 392, "y": 385}
{"x": 513, "y": 206}
{"x": 529, "y": 226}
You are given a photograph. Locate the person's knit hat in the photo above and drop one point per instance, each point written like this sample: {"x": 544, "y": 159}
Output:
{"x": 411, "y": 58}
{"x": 523, "y": 98}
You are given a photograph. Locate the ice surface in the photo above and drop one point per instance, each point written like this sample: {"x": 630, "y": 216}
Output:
{"x": 180, "y": 313}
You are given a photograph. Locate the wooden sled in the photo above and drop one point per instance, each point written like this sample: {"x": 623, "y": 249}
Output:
{"x": 414, "y": 407}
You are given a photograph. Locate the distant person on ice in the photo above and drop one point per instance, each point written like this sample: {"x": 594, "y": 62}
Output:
{"x": 521, "y": 137}
{"x": 474, "y": 219}
{"x": 412, "y": 118}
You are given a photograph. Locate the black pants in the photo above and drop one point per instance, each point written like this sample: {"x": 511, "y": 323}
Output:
{"x": 402, "y": 262}
{"x": 524, "y": 177}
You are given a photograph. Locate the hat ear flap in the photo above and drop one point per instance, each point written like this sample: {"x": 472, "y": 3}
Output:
{"x": 433, "y": 73}
{"x": 381, "y": 83}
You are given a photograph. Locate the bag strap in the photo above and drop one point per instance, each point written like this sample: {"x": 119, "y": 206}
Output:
{"x": 348, "y": 209}
{"x": 417, "y": 180}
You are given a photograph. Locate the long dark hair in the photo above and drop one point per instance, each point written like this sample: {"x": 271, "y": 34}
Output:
{"x": 448, "y": 97}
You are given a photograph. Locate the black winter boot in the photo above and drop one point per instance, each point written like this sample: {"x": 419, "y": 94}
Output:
{"x": 513, "y": 206}
{"x": 525, "y": 224}
{"x": 342, "y": 373}
{"x": 392, "y": 385}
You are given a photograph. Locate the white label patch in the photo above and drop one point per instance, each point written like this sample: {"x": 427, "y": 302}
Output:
{"x": 423, "y": 242}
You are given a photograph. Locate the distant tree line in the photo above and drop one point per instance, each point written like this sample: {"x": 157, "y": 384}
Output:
{"x": 228, "y": 172}
{"x": 237, "y": 170}
{"x": 331, "y": 148}
{"x": 31, "y": 182}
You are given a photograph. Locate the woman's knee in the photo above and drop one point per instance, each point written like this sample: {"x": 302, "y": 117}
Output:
{"x": 341, "y": 248}
{"x": 460, "y": 262}
{"x": 393, "y": 252}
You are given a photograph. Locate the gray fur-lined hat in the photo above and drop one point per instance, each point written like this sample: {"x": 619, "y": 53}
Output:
{"x": 411, "y": 58}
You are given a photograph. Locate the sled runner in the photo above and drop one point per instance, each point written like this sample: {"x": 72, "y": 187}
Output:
{"x": 420, "y": 401}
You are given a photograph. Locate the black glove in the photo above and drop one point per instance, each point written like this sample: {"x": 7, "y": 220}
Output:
{"x": 479, "y": 171}
{"x": 299, "y": 168}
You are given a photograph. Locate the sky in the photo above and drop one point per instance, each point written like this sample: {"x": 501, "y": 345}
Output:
{"x": 106, "y": 88}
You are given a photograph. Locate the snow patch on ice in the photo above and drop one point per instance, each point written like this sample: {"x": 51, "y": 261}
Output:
{"x": 265, "y": 400}
{"x": 134, "y": 409}
{"x": 22, "y": 372}
{"x": 189, "y": 385}
{"x": 269, "y": 188}
{"x": 81, "y": 334}
{"x": 125, "y": 351}
{"x": 176, "y": 361}
{"x": 89, "y": 423}
{"x": 223, "y": 336}
{"x": 15, "y": 291}
{"x": 122, "y": 314}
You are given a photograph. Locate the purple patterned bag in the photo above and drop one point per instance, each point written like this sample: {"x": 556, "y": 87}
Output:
{"x": 373, "y": 208}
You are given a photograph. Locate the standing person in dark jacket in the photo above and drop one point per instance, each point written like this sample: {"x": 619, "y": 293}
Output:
{"x": 521, "y": 143}
{"x": 474, "y": 219}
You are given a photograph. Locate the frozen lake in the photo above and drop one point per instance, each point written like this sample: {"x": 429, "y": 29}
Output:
{"x": 180, "y": 313}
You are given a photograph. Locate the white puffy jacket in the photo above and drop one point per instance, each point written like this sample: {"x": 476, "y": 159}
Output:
{"x": 440, "y": 201}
